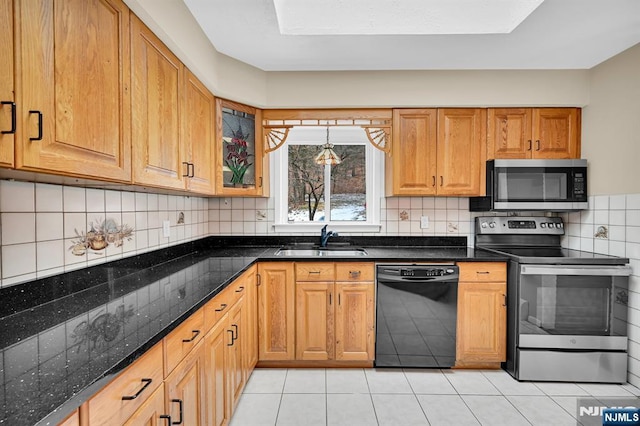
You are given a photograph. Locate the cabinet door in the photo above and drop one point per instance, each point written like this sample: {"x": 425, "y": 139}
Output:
{"x": 241, "y": 166}
{"x": 72, "y": 420}
{"x": 250, "y": 340}
{"x": 354, "y": 329}
{"x": 7, "y": 106}
{"x": 149, "y": 413}
{"x": 198, "y": 138}
{"x": 215, "y": 348}
{"x": 157, "y": 83}
{"x": 314, "y": 321}
{"x": 481, "y": 328}
{"x": 556, "y": 133}
{"x": 72, "y": 80}
{"x": 235, "y": 368}
{"x": 411, "y": 170}
{"x": 509, "y": 133}
{"x": 276, "y": 311}
{"x": 461, "y": 150}
{"x": 185, "y": 390}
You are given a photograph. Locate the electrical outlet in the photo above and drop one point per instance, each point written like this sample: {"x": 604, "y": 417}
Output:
{"x": 424, "y": 222}
{"x": 166, "y": 228}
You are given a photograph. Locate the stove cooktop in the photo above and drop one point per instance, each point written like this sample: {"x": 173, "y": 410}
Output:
{"x": 556, "y": 255}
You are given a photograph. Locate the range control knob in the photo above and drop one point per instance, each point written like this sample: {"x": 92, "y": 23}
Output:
{"x": 483, "y": 225}
{"x": 492, "y": 225}
{"x": 543, "y": 225}
{"x": 560, "y": 225}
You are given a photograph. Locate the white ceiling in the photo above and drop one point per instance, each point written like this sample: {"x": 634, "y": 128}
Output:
{"x": 559, "y": 34}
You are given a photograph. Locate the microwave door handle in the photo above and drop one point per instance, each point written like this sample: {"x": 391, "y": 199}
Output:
{"x": 619, "y": 271}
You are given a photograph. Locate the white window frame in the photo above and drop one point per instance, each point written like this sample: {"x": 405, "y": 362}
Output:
{"x": 374, "y": 165}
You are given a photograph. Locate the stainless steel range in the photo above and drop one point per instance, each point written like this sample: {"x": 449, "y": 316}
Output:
{"x": 566, "y": 309}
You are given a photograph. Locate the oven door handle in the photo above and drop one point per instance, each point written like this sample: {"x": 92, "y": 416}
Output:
{"x": 593, "y": 270}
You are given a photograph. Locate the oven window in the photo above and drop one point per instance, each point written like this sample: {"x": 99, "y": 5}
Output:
{"x": 568, "y": 305}
{"x": 531, "y": 184}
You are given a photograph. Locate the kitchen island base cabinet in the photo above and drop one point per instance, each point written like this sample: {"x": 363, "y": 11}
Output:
{"x": 482, "y": 315}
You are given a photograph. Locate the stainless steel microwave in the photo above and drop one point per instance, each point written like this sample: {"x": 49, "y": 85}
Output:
{"x": 548, "y": 185}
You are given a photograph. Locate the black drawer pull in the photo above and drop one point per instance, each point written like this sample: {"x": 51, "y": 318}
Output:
{"x": 193, "y": 337}
{"x": 13, "y": 117}
{"x": 240, "y": 289}
{"x": 314, "y": 272}
{"x": 146, "y": 382}
{"x": 354, "y": 274}
{"x": 223, "y": 306}
{"x": 40, "y": 132}
{"x": 167, "y": 418}
{"x": 193, "y": 170}
{"x": 483, "y": 272}
{"x": 180, "y": 405}
{"x": 232, "y": 339}
{"x": 186, "y": 164}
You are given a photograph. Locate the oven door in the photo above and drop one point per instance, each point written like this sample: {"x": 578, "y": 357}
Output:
{"x": 582, "y": 307}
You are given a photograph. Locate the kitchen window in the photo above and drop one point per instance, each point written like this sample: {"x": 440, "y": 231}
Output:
{"x": 344, "y": 196}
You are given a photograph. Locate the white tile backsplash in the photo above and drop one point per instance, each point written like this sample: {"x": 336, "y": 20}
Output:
{"x": 621, "y": 215}
{"x": 43, "y": 224}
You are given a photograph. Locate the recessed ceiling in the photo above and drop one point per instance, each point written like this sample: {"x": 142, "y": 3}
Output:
{"x": 557, "y": 34}
{"x": 384, "y": 17}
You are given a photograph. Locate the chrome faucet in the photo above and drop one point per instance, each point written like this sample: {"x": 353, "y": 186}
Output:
{"x": 324, "y": 236}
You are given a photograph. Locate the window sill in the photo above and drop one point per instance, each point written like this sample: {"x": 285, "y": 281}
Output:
{"x": 314, "y": 228}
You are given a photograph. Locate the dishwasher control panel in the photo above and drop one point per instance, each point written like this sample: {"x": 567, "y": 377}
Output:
{"x": 426, "y": 272}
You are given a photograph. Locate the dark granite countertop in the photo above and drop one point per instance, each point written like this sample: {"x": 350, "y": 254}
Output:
{"x": 62, "y": 338}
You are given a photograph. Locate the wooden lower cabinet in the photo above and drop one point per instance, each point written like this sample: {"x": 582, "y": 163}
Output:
{"x": 276, "y": 311}
{"x": 72, "y": 420}
{"x": 235, "y": 367}
{"x": 314, "y": 321}
{"x": 354, "y": 323}
{"x": 116, "y": 403}
{"x": 335, "y": 319}
{"x": 151, "y": 412}
{"x": 215, "y": 401}
{"x": 250, "y": 281}
{"x": 482, "y": 315}
{"x": 185, "y": 390}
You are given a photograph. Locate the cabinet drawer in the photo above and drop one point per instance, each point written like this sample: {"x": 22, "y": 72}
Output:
{"x": 315, "y": 271}
{"x": 354, "y": 271}
{"x": 216, "y": 308}
{"x": 483, "y": 271}
{"x": 181, "y": 340}
{"x": 139, "y": 381}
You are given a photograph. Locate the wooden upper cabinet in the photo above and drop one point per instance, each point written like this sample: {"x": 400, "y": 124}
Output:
{"x": 533, "y": 133}
{"x": 461, "y": 150}
{"x": 72, "y": 88}
{"x": 199, "y": 135}
{"x": 7, "y": 106}
{"x": 437, "y": 152}
{"x": 556, "y": 133}
{"x": 509, "y": 133}
{"x": 411, "y": 169}
{"x": 157, "y": 83}
{"x": 241, "y": 165}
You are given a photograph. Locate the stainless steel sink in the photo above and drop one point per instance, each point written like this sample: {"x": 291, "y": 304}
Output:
{"x": 328, "y": 251}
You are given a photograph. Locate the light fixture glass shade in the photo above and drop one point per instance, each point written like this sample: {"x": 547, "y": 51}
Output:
{"x": 327, "y": 156}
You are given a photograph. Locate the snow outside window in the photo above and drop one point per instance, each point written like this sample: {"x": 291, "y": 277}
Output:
{"x": 344, "y": 196}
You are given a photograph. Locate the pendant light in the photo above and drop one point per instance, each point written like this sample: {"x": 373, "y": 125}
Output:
{"x": 327, "y": 156}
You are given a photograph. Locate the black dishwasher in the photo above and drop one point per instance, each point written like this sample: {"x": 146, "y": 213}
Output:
{"x": 416, "y": 315}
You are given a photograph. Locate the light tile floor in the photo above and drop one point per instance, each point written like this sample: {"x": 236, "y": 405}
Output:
{"x": 368, "y": 397}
